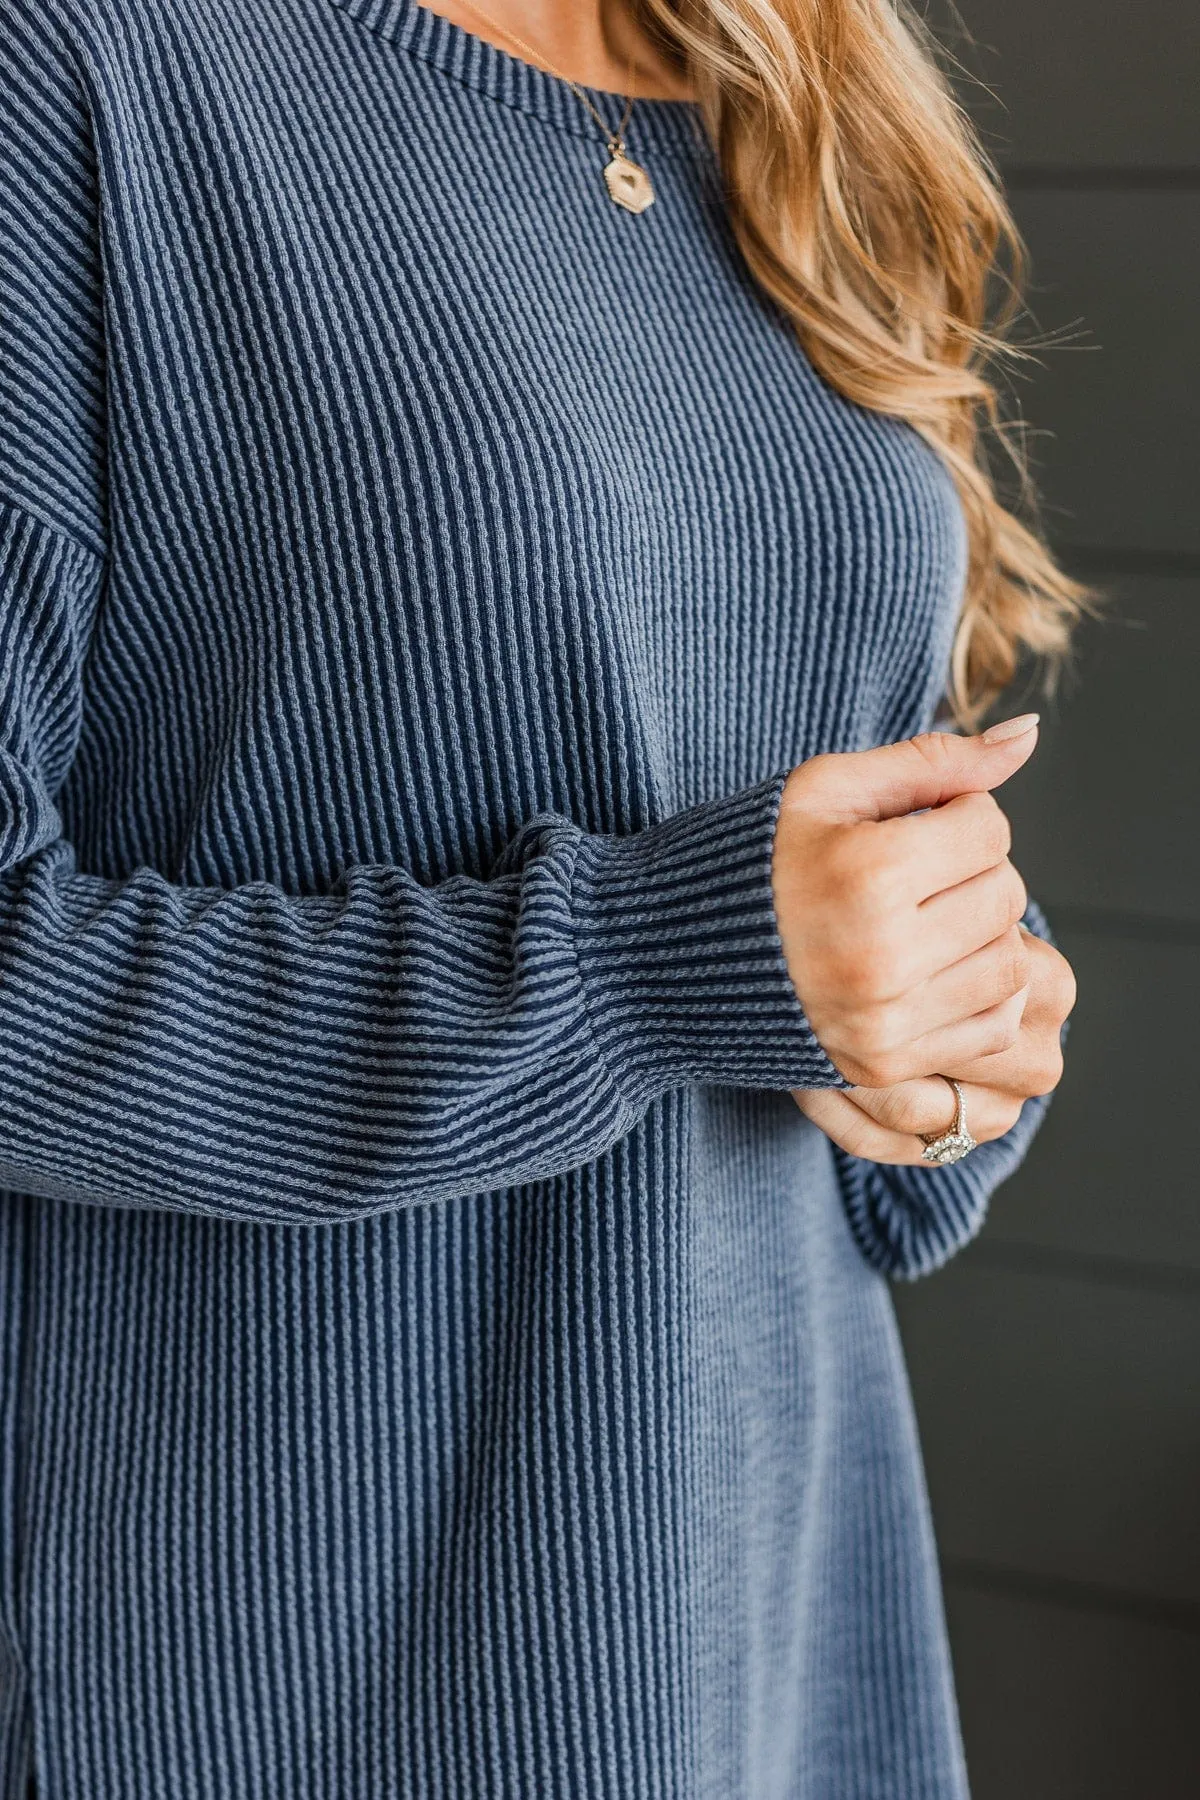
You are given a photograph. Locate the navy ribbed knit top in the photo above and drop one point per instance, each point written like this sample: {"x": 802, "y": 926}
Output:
{"x": 438, "y": 1360}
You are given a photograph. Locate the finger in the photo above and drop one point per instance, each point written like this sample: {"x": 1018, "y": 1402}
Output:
{"x": 971, "y": 985}
{"x": 925, "y": 770}
{"x": 1034, "y": 1063}
{"x": 948, "y": 844}
{"x": 927, "y": 1105}
{"x": 1053, "y": 986}
{"x": 940, "y": 1051}
{"x": 956, "y": 921}
{"x": 854, "y": 1130}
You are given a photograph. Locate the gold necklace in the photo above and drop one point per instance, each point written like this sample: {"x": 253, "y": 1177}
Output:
{"x": 627, "y": 182}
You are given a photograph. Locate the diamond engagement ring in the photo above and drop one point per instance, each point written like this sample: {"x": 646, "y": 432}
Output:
{"x": 949, "y": 1146}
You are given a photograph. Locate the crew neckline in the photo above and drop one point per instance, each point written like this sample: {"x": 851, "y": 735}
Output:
{"x": 478, "y": 63}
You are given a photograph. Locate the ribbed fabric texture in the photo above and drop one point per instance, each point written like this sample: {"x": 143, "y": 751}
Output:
{"x": 439, "y": 1360}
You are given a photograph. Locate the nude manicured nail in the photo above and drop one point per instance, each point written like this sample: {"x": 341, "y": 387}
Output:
{"x": 1011, "y": 728}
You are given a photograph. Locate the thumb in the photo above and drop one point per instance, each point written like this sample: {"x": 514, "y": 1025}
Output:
{"x": 918, "y": 771}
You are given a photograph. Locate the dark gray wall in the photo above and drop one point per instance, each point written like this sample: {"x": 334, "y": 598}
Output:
{"x": 1056, "y": 1363}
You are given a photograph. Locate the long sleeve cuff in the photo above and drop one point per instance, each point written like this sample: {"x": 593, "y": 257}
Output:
{"x": 680, "y": 957}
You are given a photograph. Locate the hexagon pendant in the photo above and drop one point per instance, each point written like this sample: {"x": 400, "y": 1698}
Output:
{"x": 628, "y": 183}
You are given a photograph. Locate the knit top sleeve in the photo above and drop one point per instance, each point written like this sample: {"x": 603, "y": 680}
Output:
{"x": 260, "y": 1054}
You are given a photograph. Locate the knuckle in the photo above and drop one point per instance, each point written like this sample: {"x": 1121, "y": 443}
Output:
{"x": 1053, "y": 979}
{"x": 1004, "y": 836}
{"x": 1014, "y": 963}
{"x": 1001, "y": 1032}
{"x": 997, "y": 829}
{"x": 883, "y": 1068}
{"x": 940, "y": 750}
{"x": 1048, "y": 1072}
{"x": 1017, "y": 893}
{"x": 1007, "y": 1117}
{"x": 1066, "y": 989}
{"x": 989, "y": 825}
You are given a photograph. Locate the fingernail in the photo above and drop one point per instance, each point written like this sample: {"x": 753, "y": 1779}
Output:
{"x": 1010, "y": 728}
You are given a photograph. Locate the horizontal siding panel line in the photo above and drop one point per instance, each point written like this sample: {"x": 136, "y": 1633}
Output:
{"x": 1079, "y": 1596}
{"x": 1099, "y": 179}
{"x": 1114, "y": 922}
{"x": 1097, "y": 560}
{"x": 1082, "y": 1265}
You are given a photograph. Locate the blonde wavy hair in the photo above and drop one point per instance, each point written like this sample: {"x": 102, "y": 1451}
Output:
{"x": 866, "y": 206}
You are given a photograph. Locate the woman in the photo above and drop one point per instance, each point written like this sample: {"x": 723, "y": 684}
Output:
{"x": 492, "y": 918}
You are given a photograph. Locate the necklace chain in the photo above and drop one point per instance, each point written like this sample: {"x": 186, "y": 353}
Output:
{"x": 615, "y": 139}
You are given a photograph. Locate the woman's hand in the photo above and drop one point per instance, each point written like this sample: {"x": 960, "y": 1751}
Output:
{"x": 883, "y": 1123}
{"x": 901, "y": 935}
